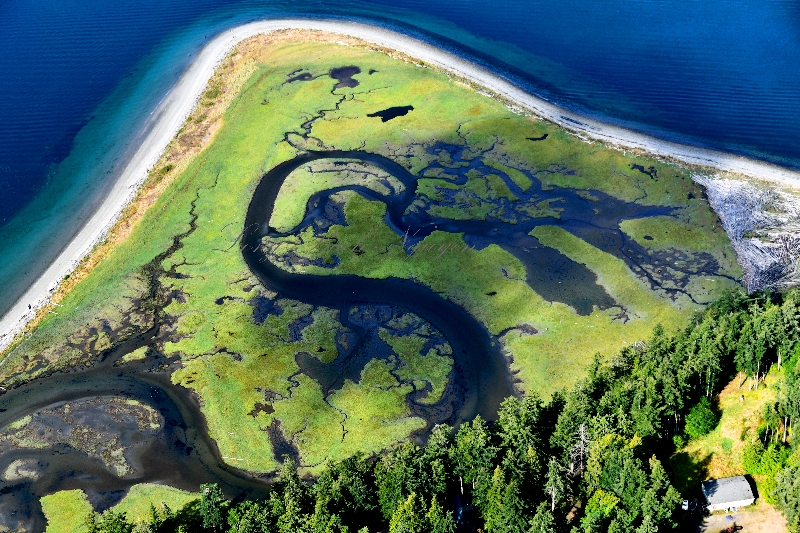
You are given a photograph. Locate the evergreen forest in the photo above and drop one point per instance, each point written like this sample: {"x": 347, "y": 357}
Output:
{"x": 589, "y": 459}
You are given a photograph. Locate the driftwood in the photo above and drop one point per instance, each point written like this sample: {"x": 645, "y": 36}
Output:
{"x": 763, "y": 225}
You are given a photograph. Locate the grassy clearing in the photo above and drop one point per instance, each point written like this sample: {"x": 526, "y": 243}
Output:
{"x": 376, "y": 407}
{"x": 690, "y": 230}
{"x": 440, "y": 107}
{"x": 362, "y": 416}
{"x": 300, "y": 185}
{"x": 573, "y": 163}
{"x": 666, "y": 232}
{"x": 65, "y": 511}
{"x": 719, "y": 454}
{"x": 230, "y": 388}
{"x": 612, "y": 273}
{"x": 260, "y": 369}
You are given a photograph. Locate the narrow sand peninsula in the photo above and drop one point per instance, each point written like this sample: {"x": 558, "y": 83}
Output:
{"x": 180, "y": 101}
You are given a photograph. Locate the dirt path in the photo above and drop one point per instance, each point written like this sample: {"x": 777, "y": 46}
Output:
{"x": 763, "y": 518}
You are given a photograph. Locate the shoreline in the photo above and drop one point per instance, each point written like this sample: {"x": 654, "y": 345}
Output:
{"x": 179, "y": 103}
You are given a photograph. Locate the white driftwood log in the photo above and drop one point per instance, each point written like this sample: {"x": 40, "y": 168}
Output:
{"x": 763, "y": 224}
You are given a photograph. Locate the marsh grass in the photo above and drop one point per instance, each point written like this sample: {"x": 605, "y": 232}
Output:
{"x": 66, "y": 510}
{"x": 136, "y": 355}
{"x": 136, "y": 504}
{"x": 443, "y": 261}
{"x": 691, "y": 229}
{"x": 290, "y": 205}
{"x": 207, "y": 177}
{"x": 433, "y": 367}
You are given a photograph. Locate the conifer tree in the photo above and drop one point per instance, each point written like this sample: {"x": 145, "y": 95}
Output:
{"x": 211, "y": 503}
{"x": 472, "y": 456}
{"x": 542, "y": 521}
{"x": 409, "y": 517}
{"x": 554, "y": 485}
{"x": 438, "y": 520}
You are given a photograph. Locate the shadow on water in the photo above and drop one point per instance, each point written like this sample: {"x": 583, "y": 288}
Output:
{"x": 345, "y": 76}
{"x": 540, "y": 138}
{"x": 591, "y": 215}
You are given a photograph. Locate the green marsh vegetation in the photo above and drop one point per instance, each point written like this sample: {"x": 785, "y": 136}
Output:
{"x": 180, "y": 265}
{"x": 449, "y": 265}
{"x": 290, "y": 207}
{"x": 600, "y": 456}
{"x": 67, "y": 510}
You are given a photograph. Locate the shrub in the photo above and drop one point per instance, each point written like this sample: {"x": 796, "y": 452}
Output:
{"x": 751, "y": 457}
{"x": 760, "y": 460}
{"x": 701, "y": 419}
{"x": 767, "y": 462}
{"x": 212, "y": 93}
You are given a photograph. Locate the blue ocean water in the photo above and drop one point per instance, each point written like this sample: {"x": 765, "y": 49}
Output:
{"x": 80, "y": 77}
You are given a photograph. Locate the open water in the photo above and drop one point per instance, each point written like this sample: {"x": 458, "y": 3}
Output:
{"x": 79, "y": 77}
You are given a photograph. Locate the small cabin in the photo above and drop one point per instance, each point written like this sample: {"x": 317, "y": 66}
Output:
{"x": 727, "y": 493}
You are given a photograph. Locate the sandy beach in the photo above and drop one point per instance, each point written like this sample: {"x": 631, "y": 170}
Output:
{"x": 178, "y": 104}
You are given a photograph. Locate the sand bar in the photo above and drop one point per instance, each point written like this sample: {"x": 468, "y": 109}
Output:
{"x": 178, "y": 104}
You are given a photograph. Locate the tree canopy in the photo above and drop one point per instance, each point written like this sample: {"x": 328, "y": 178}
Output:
{"x": 587, "y": 460}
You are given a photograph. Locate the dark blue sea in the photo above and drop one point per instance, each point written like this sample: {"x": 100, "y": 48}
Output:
{"x": 79, "y": 77}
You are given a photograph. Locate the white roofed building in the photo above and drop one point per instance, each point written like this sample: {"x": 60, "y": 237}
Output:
{"x": 727, "y": 493}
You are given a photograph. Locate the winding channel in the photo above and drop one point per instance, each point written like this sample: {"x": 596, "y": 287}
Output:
{"x": 480, "y": 373}
{"x": 182, "y": 454}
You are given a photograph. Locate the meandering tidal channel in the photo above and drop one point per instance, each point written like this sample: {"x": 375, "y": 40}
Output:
{"x": 182, "y": 454}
